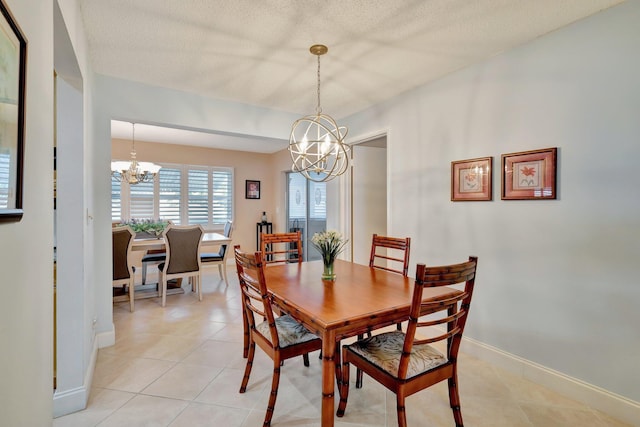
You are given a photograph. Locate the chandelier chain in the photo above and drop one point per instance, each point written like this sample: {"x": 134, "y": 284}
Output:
{"x": 318, "y": 107}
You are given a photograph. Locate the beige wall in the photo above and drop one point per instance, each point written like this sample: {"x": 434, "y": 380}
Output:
{"x": 253, "y": 166}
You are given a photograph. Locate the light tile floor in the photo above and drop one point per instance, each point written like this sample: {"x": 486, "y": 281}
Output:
{"x": 182, "y": 366}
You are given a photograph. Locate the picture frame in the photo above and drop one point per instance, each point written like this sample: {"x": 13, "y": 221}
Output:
{"x": 471, "y": 180}
{"x": 252, "y": 189}
{"x": 13, "y": 57}
{"x": 529, "y": 175}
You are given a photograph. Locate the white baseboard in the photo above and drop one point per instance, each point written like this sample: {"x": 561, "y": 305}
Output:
{"x": 616, "y": 406}
{"x": 68, "y": 401}
{"x": 107, "y": 338}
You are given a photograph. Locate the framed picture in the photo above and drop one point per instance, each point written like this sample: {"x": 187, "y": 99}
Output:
{"x": 471, "y": 179}
{"x": 529, "y": 175}
{"x": 13, "y": 58}
{"x": 252, "y": 189}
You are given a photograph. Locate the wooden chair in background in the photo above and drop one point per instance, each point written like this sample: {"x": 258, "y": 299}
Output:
{"x": 390, "y": 253}
{"x": 123, "y": 271}
{"x": 280, "y": 337}
{"x": 183, "y": 257}
{"x": 281, "y": 247}
{"x": 406, "y": 363}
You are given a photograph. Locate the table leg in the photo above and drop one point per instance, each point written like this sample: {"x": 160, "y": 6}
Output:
{"x": 328, "y": 374}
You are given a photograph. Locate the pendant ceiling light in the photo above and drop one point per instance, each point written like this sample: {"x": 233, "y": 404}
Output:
{"x": 316, "y": 143}
{"x": 134, "y": 172}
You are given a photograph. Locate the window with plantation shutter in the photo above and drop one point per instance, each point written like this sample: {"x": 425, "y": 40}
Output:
{"x": 4, "y": 179}
{"x": 198, "y": 197}
{"x": 141, "y": 200}
{"x": 116, "y": 201}
{"x": 169, "y": 194}
{"x": 222, "y": 196}
{"x": 183, "y": 194}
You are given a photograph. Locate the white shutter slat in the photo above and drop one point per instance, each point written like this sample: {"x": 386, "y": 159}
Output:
{"x": 116, "y": 201}
{"x": 169, "y": 194}
{"x": 142, "y": 196}
{"x": 5, "y": 164}
{"x": 198, "y": 197}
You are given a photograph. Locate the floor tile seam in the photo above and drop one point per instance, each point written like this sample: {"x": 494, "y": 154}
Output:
{"x": 131, "y": 396}
{"x": 599, "y": 416}
{"x": 553, "y": 405}
{"x": 208, "y": 382}
{"x": 145, "y": 358}
{"x": 228, "y": 406}
{"x": 524, "y": 414}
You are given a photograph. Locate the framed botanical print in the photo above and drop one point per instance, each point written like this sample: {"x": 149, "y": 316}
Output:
{"x": 471, "y": 179}
{"x": 529, "y": 175}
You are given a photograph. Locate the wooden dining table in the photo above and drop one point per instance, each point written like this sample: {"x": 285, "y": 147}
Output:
{"x": 361, "y": 299}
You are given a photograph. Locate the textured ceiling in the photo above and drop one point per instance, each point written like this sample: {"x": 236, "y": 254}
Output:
{"x": 257, "y": 52}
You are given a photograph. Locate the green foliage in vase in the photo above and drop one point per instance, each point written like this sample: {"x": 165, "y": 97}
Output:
{"x": 147, "y": 226}
{"x": 330, "y": 244}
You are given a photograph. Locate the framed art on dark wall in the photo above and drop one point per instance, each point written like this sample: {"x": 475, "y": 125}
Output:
{"x": 529, "y": 175}
{"x": 252, "y": 189}
{"x": 13, "y": 58}
{"x": 471, "y": 179}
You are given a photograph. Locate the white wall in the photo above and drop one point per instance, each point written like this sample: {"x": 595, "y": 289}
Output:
{"x": 369, "y": 203}
{"x": 557, "y": 282}
{"x": 26, "y": 247}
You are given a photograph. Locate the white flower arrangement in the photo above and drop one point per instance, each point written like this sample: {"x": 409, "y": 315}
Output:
{"x": 330, "y": 244}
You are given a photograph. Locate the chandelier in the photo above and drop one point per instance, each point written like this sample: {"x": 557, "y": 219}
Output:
{"x": 316, "y": 143}
{"x": 134, "y": 172}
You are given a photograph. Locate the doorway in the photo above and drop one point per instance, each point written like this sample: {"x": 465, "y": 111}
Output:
{"x": 368, "y": 195}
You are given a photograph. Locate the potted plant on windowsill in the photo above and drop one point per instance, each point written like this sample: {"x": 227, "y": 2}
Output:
{"x": 147, "y": 228}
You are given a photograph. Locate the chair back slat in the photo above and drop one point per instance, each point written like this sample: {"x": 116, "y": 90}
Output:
{"x": 449, "y": 315}
{"x": 390, "y": 253}
{"x": 281, "y": 247}
{"x": 255, "y": 297}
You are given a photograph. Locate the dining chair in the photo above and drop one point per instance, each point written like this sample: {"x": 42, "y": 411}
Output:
{"x": 219, "y": 258}
{"x": 281, "y": 247}
{"x": 391, "y": 254}
{"x": 183, "y": 257}
{"x": 153, "y": 256}
{"x": 123, "y": 270}
{"x": 279, "y": 337}
{"x": 406, "y": 363}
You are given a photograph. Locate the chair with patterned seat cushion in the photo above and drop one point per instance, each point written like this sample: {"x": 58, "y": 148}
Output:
{"x": 406, "y": 363}
{"x": 211, "y": 259}
{"x": 391, "y": 254}
{"x": 281, "y": 337}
